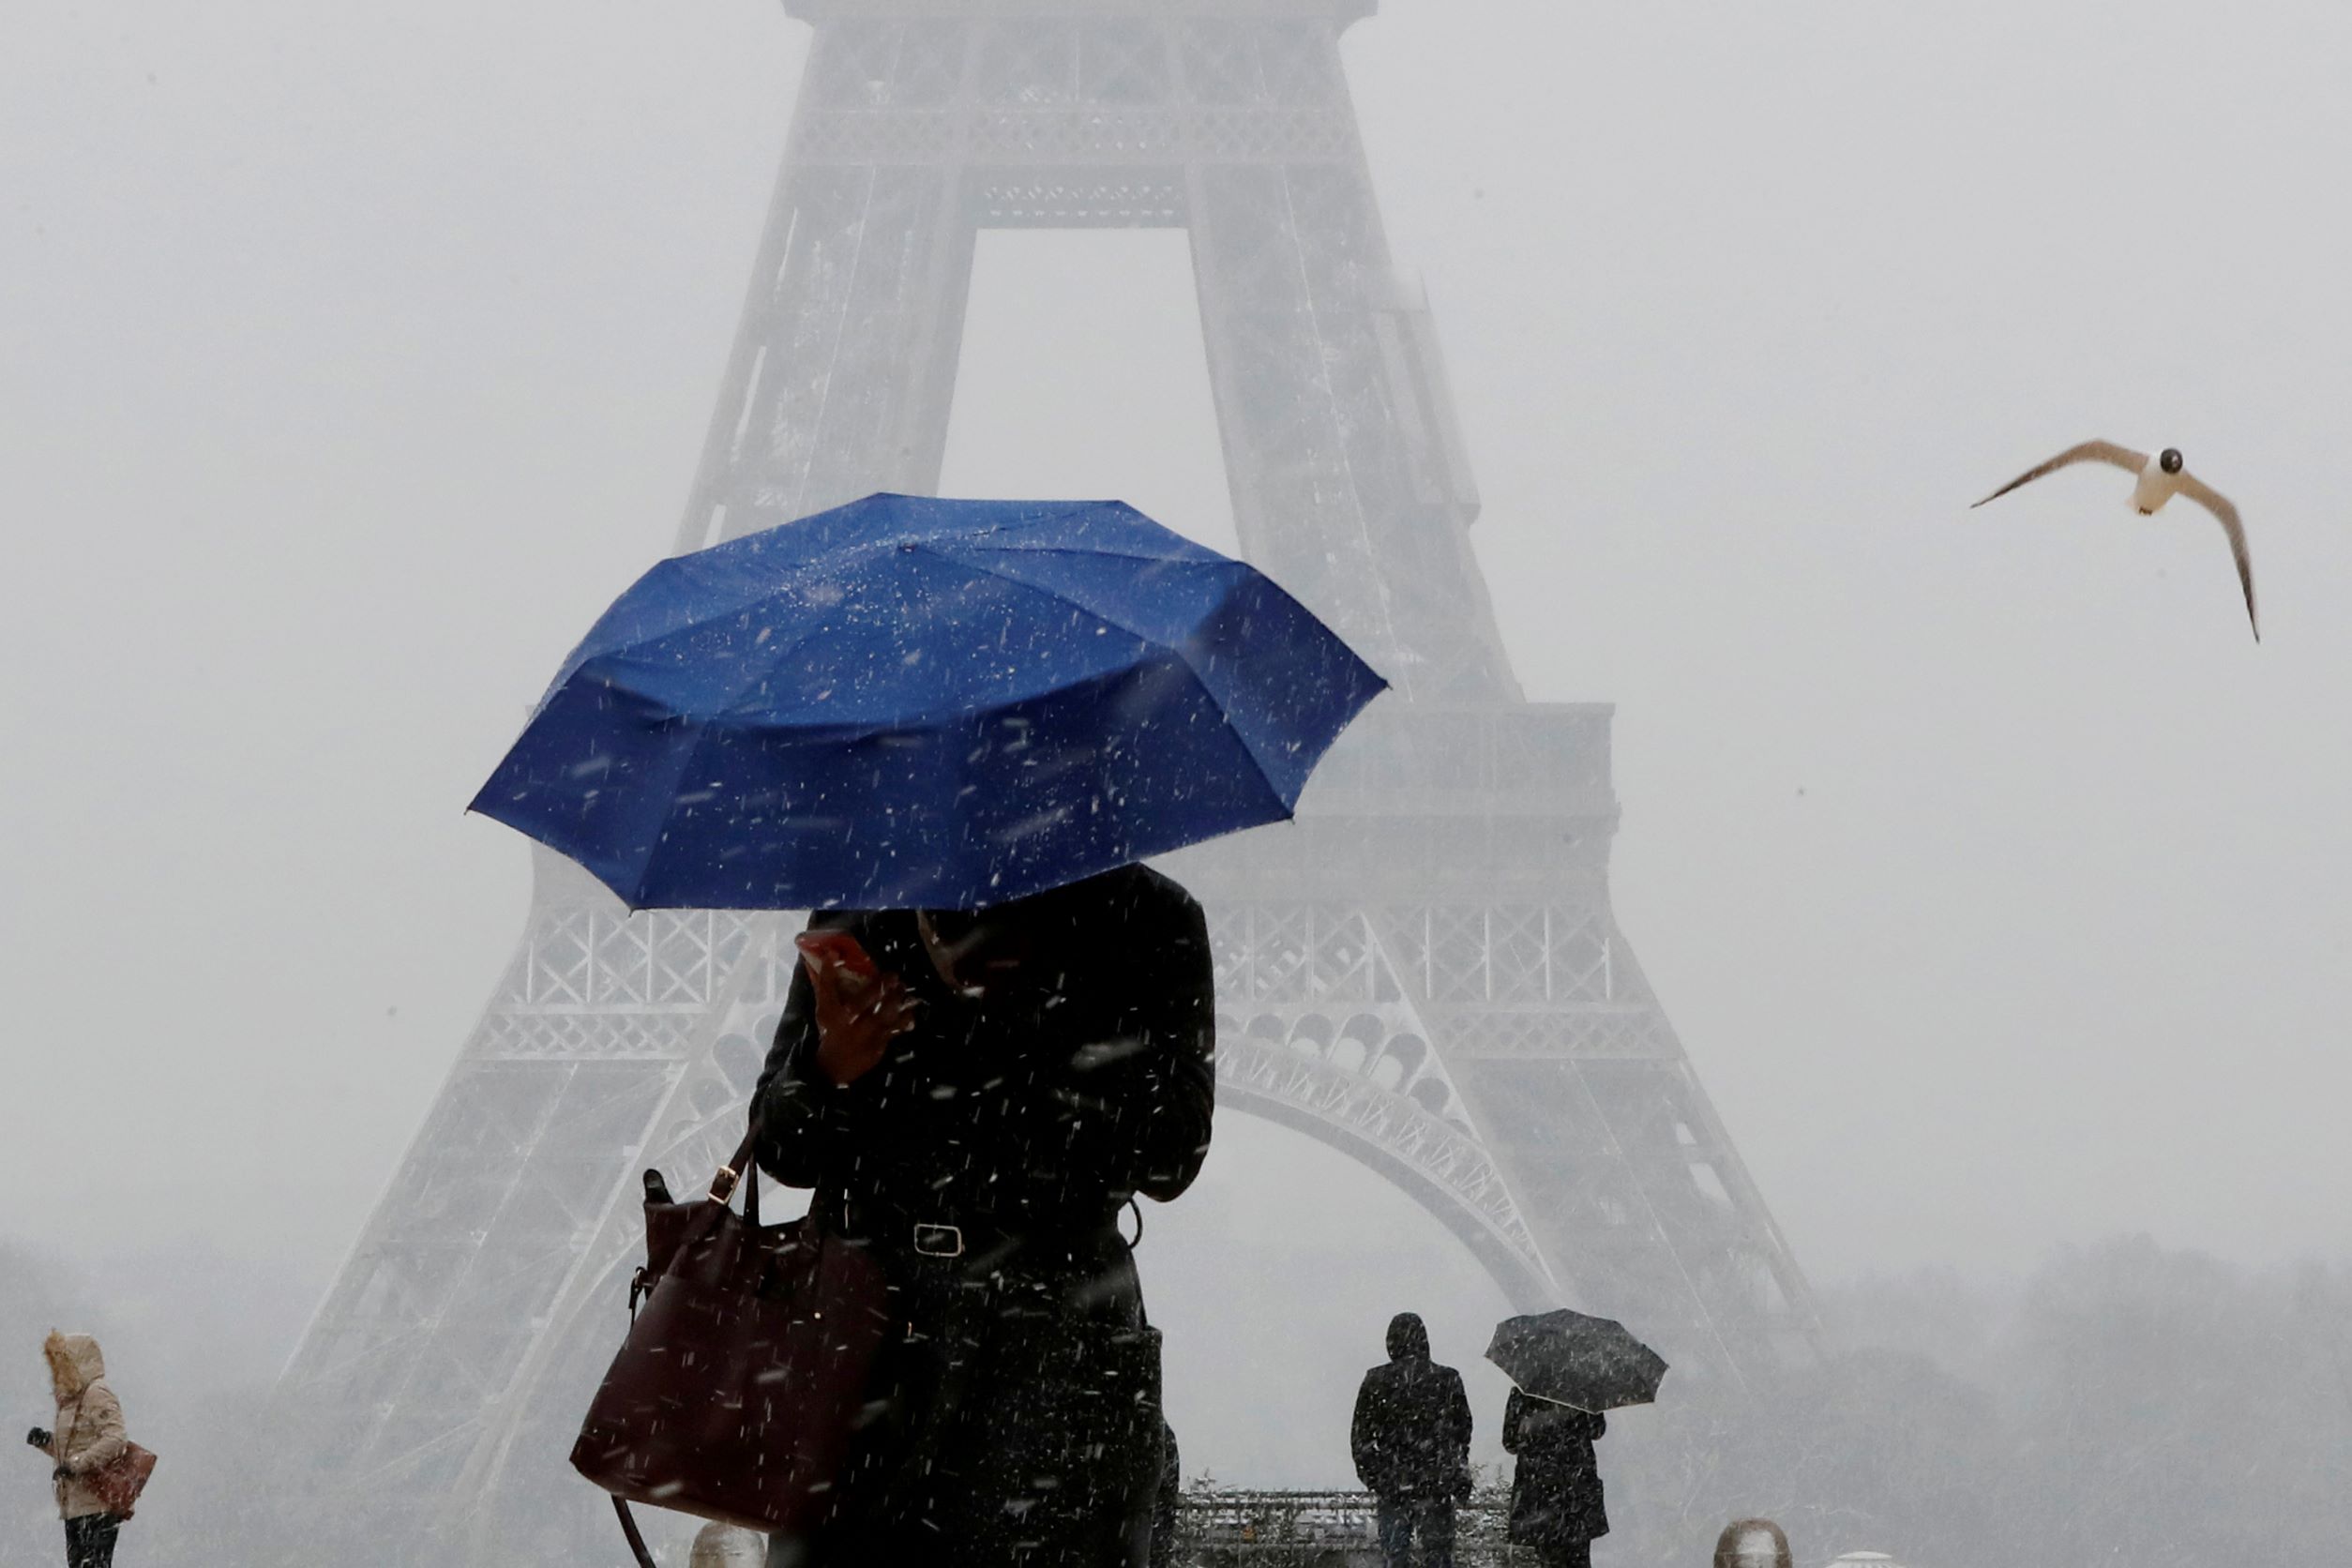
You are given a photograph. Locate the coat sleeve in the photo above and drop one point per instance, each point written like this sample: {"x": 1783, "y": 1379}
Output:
{"x": 1169, "y": 1126}
{"x": 1363, "y": 1443}
{"x": 1512, "y": 1415}
{"x": 1126, "y": 1107}
{"x": 99, "y": 1431}
{"x": 804, "y": 1118}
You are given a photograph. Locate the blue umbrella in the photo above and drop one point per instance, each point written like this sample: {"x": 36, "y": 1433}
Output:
{"x": 911, "y": 702}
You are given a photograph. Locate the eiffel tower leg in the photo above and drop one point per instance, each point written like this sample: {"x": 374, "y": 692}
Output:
{"x": 844, "y": 368}
{"x": 1348, "y": 481}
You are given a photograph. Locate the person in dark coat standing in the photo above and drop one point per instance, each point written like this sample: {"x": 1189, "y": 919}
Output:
{"x": 1411, "y": 1439}
{"x": 1556, "y": 1504}
{"x": 978, "y": 1112}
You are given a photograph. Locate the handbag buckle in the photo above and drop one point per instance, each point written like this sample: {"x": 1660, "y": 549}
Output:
{"x": 939, "y": 1240}
{"x": 641, "y": 1286}
{"x": 723, "y": 1185}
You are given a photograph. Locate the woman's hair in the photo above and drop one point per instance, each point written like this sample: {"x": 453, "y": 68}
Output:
{"x": 1751, "y": 1544}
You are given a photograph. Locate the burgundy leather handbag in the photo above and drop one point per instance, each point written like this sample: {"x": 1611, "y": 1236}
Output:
{"x": 735, "y": 1394}
{"x": 120, "y": 1480}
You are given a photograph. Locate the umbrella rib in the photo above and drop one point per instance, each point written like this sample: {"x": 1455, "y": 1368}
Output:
{"x": 726, "y": 709}
{"x": 1289, "y": 810}
{"x": 1176, "y": 648}
{"x": 702, "y": 733}
{"x": 643, "y": 866}
{"x": 1014, "y": 546}
{"x": 581, "y": 657}
{"x": 1212, "y": 559}
{"x": 1256, "y": 762}
{"x": 1054, "y": 593}
{"x": 739, "y": 600}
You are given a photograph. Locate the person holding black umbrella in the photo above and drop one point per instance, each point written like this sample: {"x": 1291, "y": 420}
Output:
{"x": 1555, "y": 1492}
{"x": 1569, "y": 1367}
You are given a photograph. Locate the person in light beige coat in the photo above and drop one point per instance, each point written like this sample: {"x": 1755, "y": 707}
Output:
{"x": 88, "y": 1434}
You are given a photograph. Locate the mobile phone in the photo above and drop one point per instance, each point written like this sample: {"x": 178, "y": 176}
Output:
{"x": 837, "y": 948}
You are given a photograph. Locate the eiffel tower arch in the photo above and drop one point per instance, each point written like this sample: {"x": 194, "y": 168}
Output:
{"x": 1422, "y": 972}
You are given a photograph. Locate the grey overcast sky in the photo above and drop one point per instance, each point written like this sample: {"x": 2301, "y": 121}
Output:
{"x": 352, "y": 358}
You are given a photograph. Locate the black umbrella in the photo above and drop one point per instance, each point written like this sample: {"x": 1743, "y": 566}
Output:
{"x": 1590, "y": 1362}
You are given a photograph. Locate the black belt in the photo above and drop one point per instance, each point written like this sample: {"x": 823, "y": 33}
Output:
{"x": 944, "y": 1238}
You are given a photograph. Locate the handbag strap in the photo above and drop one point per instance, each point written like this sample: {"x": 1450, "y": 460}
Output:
{"x": 66, "y": 1447}
{"x": 628, "y": 1527}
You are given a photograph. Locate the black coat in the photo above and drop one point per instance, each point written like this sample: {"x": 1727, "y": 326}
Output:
{"x": 1556, "y": 1487}
{"x": 1019, "y": 1418}
{"x": 1039, "y": 1111}
{"x": 1412, "y": 1432}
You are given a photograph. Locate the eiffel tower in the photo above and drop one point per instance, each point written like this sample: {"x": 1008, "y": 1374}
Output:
{"x": 1422, "y": 972}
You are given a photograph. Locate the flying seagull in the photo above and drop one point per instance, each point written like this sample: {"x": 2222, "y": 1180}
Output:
{"x": 2161, "y": 478}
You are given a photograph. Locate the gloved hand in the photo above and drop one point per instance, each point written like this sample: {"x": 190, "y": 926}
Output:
{"x": 40, "y": 1436}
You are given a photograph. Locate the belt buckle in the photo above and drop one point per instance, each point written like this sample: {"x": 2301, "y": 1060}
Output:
{"x": 939, "y": 1240}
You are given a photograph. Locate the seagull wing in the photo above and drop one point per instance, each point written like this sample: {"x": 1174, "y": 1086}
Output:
{"x": 2216, "y": 502}
{"x": 2090, "y": 451}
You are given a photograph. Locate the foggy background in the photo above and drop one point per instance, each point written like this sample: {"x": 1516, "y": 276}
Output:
{"x": 1996, "y": 882}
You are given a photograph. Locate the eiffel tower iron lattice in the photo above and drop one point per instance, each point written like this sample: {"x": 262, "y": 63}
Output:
{"x": 1422, "y": 970}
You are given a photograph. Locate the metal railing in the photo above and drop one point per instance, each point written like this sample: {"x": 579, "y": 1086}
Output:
{"x": 1218, "y": 1527}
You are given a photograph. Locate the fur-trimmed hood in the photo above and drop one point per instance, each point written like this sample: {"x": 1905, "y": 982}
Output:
{"x": 74, "y": 1363}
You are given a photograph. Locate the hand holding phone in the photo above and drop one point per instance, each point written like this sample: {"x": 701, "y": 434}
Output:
{"x": 836, "y": 949}
{"x": 860, "y": 1010}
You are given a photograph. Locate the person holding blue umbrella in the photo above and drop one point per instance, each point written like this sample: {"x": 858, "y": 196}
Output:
{"x": 956, "y": 730}
{"x": 977, "y": 1111}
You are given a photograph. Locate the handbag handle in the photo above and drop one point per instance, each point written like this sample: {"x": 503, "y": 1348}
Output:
{"x": 740, "y": 1166}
